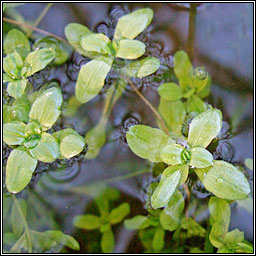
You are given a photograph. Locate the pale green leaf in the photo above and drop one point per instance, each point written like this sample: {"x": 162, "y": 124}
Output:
{"x": 217, "y": 235}
{"x": 200, "y": 78}
{"x": 95, "y": 139}
{"x": 183, "y": 69}
{"x": 158, "y": 239}
{"x": 204, "y": 127}
{"x": 225, "y": 181}
{"x": 74, "y": 33}
{"x": 17, "y": 88}
{"x": 193, "y": 228}
{"x": 87, "y": 221}
{"x": 165, "y": 189}
{"x": 16, "y": 41}
{"x": 148, "y": 66}
{"x": 130, "y": 49}
{"x": 244, "y": 248}
{"x": 223, "y": 249}
{"x": 107, "y": 241}
{"x": 91, "y": 78}
{"x": 220, "y": 212}
{"x": 12, "y": 65}
{"x": 119, "y": 213}
{"x": 183, "y": 168}
{"x": 19, "y": 169}
{"x": 249, "y": 163}
{"x": 174, "y": 113}
{"x": 96, "y": 42}
{"x": 45, "y": 108}
{"x": 132, "y": 24}
{"x": 170, "y": 91}
{"x": 200, "y": 158}
{"x": 195, "y": 104}
{"x": 39, "y": 59}
{"x": 171, "y": 154}
{"x": 234, "y": 236}
{"x": 136, "y": 223}
{"x": 170, "y": 216}
{"x": 47, "y": 149}
{"x": 14, "y": 133}
{"x": 147, "y": 142}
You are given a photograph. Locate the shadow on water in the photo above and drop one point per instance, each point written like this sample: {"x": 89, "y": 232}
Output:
{"x": 222, "y": 43}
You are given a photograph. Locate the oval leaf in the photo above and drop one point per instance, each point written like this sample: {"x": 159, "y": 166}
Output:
{"x": 170, "y": 91}
{"x": 131, "y": 25}
{"x": 119, "y": 213}
{"x": 47, "y": 149}
{"x": 148, "y": 66}
{"x": 45, "y": 108}
{"x": 19, "y": 169}
{"x": 225, "y": 181}
{"x": 137, "y": 222}
{"x": 91, "y": 78}
{"x": 158, "y": 239}
{"x": 147, "y": 142}
{"x": 195, "y": 104}
{"x": 107, "y": 241}
{"x": 165, "y": 190}
{"x": 12, "y": 64}
{"x": 200, "y": 158}
{"x": 17, "y": 88}
{"x": 204, "y": 128}
{"x": 130, "y": 49}
{"x": 171, "y": 154}
{"x": 14, "y": 133}
{"x": 87, "y": 221}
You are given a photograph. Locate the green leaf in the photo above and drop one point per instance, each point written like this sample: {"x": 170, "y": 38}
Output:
{"x": 249, "y": 163}
{"x": 95, "y": 42}
{"x": 39, "y": 59}
{"x": 170, "y": 91}
{"x": 9, "y": 238}
{"x": 217, "y": 234}
{"x": 12, "y": 65}
{"x": 141, "y": 68}
{"x": 183, "y": 69}
{"x": 195, "y": 104}
{"x": 107, "y": 242}
{"x": 170, "y": 216}
{"x": 220, "y": 212}
{"x": 95, "y": 139}
{"x": 130, "y": 49}
{"x": 171, "y": 154}
{"x": 19, "y": 169}
{"x": 200, "y": 158}
{"x": 147, "y": 142}
{"x": 16, "y": 41}
{"x": 225, "y": 181}
{"x": 136, "y": 223}
{"x": 119, "y": 213}
{"x": 87, "y": 221}
{"x": 91, "y": 78}
{"x": 200, "y": 78}
{"x": 244, "y": 248}
{"x": 165, "y": 189}
{"x": 234, "y": 236}
{"x": 17, "y": 88}
{"x": 158, "y": 239}
{"x": 47, "y": 149}
{"x": 16, "y": 218}
{"x": 193, "y": 228}
{"x": 204, "y": 127}
{"x": 71, "y": 143}
{"x": 45, "y": 108}
{"x": 14, "y": 133}
{"x": 174, "y": 113}
{"x": 131, "y": 25}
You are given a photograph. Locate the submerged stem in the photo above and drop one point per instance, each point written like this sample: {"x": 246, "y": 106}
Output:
{"x": 27, "y": 231}
{"x": 185, "y": 186}
{"x": 149, "y": 105}
{"x": 192, "y": 30}
{"x": 18, "y": 23}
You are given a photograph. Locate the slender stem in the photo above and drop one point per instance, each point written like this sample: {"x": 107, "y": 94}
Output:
{"x": 24, "y": 222}
{"x": 185, "y": 186}
{"x": 18, "y": 23}
{"x": 192, "y": 30}
{"x": 48, "y": 6}
{"x": 149, "y": 105}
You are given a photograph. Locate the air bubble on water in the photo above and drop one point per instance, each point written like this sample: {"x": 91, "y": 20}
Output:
{"x": 220, "y": 180}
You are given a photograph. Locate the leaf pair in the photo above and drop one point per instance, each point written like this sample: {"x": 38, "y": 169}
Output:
{"x": 21, "y": 63}
{"x": 99, "y": 48}
{"x": 104, "y": 221}
{"x": 226, "y": 242}
{"x": 35, "y": 143}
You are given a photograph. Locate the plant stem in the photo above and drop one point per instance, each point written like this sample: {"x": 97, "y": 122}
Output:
{"x": 149, "y": 105}
{"x": 185, "y": 186}
{"x": 18, "y": 23}
{"x": 25, "y": 223}
{"x": 192, "y": 30}
{"x": 48, "y": 6}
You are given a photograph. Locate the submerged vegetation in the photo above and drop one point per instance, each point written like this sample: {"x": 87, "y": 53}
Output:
{"x": 179, "y": 150}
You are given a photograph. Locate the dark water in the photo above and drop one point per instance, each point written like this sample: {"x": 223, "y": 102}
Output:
{"x": 223, "y": 44}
